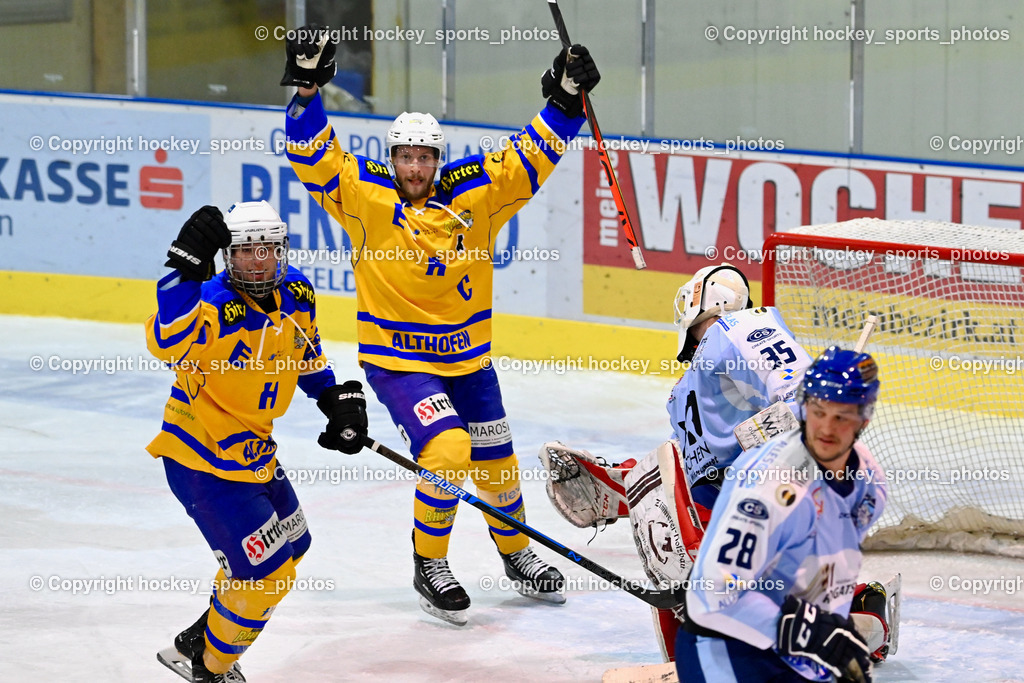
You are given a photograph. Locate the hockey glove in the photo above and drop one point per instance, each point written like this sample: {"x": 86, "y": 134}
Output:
{"x": 203, "y": 234}
{"x": 345, "y": 408}
{"x": 572, "y": 70}
{"x": 310, "y": 58}
{"x": 826, "y": 638}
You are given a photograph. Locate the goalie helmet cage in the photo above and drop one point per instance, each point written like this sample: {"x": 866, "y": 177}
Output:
{"x": 949, "y": 423}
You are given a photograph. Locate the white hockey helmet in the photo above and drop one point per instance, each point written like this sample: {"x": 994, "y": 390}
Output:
{"x": 419, "y": 129}
{"x": 713, "y": 291}
{"x": 257, "y": 225}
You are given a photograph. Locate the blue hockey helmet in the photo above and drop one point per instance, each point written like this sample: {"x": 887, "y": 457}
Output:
{"x": 843, "y": 376}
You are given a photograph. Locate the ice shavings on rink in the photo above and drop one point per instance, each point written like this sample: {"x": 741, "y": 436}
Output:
{"x": 87, "y": 509}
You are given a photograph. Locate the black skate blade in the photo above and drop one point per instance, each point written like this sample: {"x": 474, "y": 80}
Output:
{"x": 173, "y": 660}
{"x": 458, "y": 617}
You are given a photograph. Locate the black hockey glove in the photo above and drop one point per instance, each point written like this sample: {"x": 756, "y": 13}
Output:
{"x": 345, "y": 408}
{"x": 203, "y": 234}
{"x": 310, "y": 58}
{"x": 829, "y": 639}
{"x": 562, "y": 83}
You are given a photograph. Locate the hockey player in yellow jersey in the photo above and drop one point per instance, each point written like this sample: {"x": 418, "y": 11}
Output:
{"x": 422, "y": 233}
{"x": 239, "y": 343}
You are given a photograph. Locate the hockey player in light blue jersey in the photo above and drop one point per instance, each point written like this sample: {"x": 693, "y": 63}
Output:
{"x": 772, "y": 585}
{"x": 744, "y": 371}
{"x": 742, "y": 360}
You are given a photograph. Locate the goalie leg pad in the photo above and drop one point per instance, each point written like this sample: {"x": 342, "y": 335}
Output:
{"x": 584, "y": 489}
{"x": 667, "y": 527}
{"x": 666, "y": 627}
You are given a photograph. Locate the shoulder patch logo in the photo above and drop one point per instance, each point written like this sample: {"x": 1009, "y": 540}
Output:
{"x": 759, "y": 311}
{"x": 460, "y": 174}
{"x": 302, "y": 292}
{"x": 760, "y": 334}
{"x": 233, "y": 312}
{"x": 377, "y": 169}
{"x": 785, "y": 495}
{"x": 753, "y": 508}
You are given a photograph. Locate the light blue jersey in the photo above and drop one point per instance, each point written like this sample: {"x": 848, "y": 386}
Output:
{"x": 745, "y": 362}
{"x": 781, "y": 526}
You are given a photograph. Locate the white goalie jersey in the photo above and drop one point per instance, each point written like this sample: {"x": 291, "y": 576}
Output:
{"x": 745, "y": 362}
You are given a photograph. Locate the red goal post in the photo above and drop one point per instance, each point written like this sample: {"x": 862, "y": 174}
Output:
{"x": 949, "y": 425}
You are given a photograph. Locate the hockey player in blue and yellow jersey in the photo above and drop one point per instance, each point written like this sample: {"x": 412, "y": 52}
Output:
{"x": 239, "y": 343}
{"x": 422, "y": 233}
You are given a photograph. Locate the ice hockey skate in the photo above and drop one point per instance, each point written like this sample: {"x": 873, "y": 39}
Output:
{"x": 441, "y": 595}
{"x": 533, "y": 577}
{"x": 185, "y": 657}
{"x": 884, "y": 602}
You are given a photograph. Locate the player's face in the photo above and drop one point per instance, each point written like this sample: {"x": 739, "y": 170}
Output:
{"x": 257, "y": 262}
{"x": 414, "y": 170}
{"x": 831, "y": 428}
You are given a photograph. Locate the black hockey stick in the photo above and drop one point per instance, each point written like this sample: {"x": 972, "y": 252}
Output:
{"x": 662, "y": 599}
{"x": 602, "y": 152}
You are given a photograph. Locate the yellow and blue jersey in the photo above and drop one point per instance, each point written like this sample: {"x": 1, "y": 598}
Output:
{"x": 236, "y": 369}
{"x": 423, "y": 270}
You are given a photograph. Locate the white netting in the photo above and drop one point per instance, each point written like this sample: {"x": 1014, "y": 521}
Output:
{"x": 949, "y": 426}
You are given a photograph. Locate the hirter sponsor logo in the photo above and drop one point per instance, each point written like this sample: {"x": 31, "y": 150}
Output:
{"x": 433, "y": 408}
{"x": 265, "y": 541}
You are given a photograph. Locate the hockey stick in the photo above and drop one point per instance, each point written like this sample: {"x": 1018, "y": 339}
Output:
{"x": 865, "y": 334}
{"x": 663, "y": 599}
{"x": 602, "y": 152}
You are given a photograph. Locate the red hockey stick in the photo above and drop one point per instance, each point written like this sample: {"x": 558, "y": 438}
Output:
{"x": 602, "y": 153}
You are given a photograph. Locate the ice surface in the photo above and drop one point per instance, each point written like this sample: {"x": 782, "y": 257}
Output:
{"x": 81, "y": 499}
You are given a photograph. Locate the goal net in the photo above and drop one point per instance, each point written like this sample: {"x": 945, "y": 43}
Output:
{"x": 949, "y": 424}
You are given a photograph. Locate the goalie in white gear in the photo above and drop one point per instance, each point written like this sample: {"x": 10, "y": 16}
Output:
{"x": 745, "y": 369}
{"x": 742, "y": 361}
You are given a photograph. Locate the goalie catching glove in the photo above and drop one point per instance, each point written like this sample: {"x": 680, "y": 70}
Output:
{"x": 573, "y": 70}
{"x": 806, "y": 630}
{"x": 345, "y": 408}
{"x": 202, "y": 236}
{"x": 585, "y": 490}
{"x": 310, "y": 58}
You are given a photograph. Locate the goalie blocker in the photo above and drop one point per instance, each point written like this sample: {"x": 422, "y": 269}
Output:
{"x": 667, "y": 525}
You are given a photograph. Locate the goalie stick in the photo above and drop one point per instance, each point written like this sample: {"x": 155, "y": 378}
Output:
{"x": 664, "y": 599}
{"x": 602, "y": 153}
{"x": 865, "y": 334}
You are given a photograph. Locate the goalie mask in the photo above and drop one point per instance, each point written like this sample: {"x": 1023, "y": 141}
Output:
{"x": 257, "y": 260}
{"x": 415, "y": 129}
{"x": 842, "y": 376}
{"x": 713, "y": 291}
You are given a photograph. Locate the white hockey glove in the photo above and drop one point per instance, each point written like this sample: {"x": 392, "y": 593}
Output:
{"x": 584, "y": 489}
{"x": 770, "y": 422}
